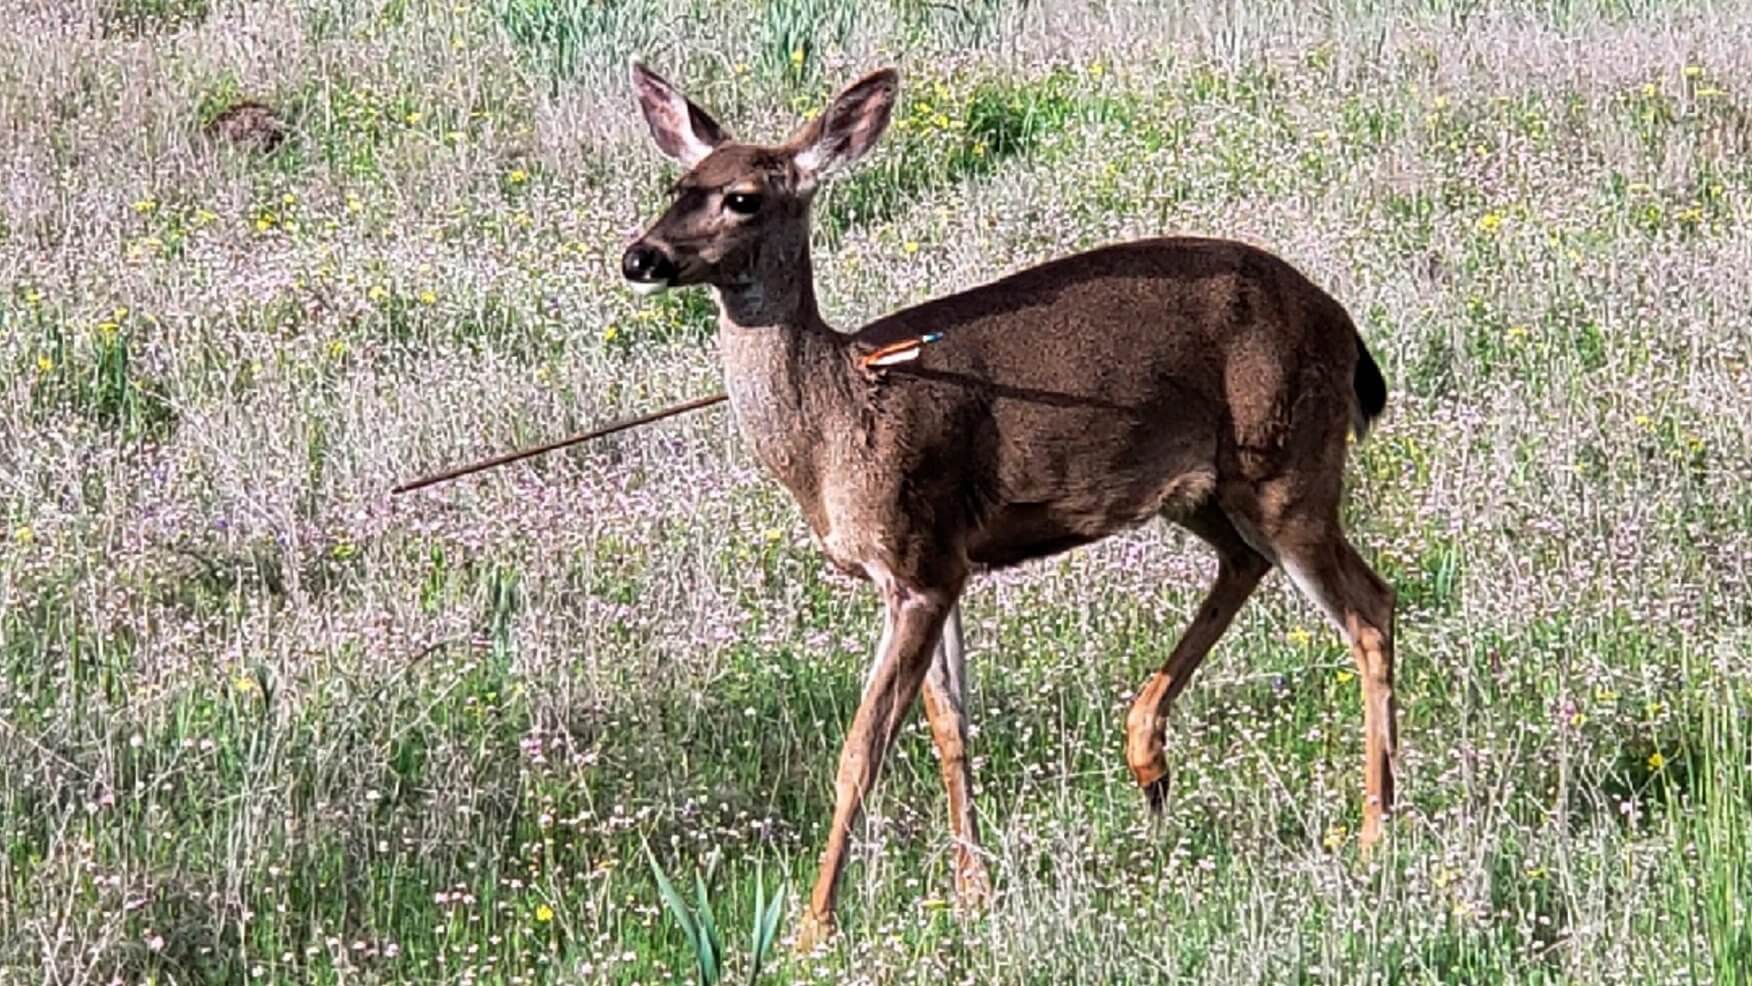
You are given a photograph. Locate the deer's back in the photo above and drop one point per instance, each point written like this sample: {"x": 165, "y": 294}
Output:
{"x": 1085, "y": 395}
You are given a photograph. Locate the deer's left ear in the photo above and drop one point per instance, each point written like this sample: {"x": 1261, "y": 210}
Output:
{"x": 682, "y": 130}
{"x": 848, "y": 128}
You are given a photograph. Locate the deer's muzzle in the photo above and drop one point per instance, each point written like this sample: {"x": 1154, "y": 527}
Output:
{"x": 649, "y": 269}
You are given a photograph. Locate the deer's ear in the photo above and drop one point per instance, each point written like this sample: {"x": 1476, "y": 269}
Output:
{"x": 682, "y": 130}
{"x": 848, "y": 128}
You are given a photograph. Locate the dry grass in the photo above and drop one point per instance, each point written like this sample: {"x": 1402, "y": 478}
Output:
{"x": 258, "y": 720}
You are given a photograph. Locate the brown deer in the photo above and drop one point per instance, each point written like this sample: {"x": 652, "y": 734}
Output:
{"x": 1200, "y": 380}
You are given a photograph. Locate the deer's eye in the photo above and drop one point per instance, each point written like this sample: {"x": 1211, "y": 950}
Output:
{"x": 742, "y": 203}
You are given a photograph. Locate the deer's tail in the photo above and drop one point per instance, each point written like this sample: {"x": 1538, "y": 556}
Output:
{"x": 1371, "y": 390}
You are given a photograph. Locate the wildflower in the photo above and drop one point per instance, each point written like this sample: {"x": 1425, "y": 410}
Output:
{"x": 797, "y": 56}
{"x": 45, "y": 364}
{"x": 265, "y": 222}
{"x": 543, "y": 913}
{"x": 1648, "y": 89}
{"x": 146, "y": 206}
{"x": 911, "y": 247}
{"x": 1693, "y": 71}
{"x": 33, "y": 296}
{"x": 611, "y": 333}
{"x": 1517, "y": 333}
{"x": 354, "y": 205}
{"x": 414, "y": 117}
{"x": 1096, "y": 69}
{"x": 337, "y": 348}
{"x": 1490, "y": 222}
{"x": 243, "y": 683}
{"x": 428, "y": 297}
{"x": 1656, "y": 761}
{"x": 377, "y": 293}
{"x": 289, "y": 199}
{"x": 1344, "y": 677}
{"x": 24, "y": 535}
{"x": 517, "y": 176}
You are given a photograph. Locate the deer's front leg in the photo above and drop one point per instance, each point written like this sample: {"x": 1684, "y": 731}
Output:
{"x": 945, "y": 697}
{"x": 914, "y": 621}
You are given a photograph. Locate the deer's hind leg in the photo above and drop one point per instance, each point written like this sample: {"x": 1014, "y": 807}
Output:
{"x": 1239, "y": 569}
{"x": 945, "y": 695}
{"x": 1359, "y": 604}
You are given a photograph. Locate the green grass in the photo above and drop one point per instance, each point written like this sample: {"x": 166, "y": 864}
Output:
{"x": 261, "y": 722}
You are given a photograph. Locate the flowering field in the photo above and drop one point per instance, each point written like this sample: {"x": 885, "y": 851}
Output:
{"x": 262, "y": 721}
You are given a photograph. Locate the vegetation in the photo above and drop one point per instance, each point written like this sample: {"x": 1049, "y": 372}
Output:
{"x": 260, "y": 721}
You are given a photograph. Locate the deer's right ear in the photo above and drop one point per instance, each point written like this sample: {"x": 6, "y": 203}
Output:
{"x": 682, "y": 130}
{"x": 848, "y": 128}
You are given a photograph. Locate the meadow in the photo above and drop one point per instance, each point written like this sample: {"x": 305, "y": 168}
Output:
{"x": 262, "y": 722}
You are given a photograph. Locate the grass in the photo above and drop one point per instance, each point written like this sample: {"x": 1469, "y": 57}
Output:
{"x": 261, "y": 722}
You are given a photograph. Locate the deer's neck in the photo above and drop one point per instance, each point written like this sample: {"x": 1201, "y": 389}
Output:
{"x": 787, "y": 375}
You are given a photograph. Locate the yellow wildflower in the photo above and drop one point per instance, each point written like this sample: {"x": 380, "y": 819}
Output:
{"x": 44, "y": 363}
{"x": 543, "y": 913}
{"x": 24, "y": 535}
{"x": 611, "y": 333}
{"x": 146, "y": 205}
{"x": 518, "y": 176}
{"x": 797, "y": 56}
{"x": 289, "y": 199}
{"x": 414, "y": 117}
{"x": 1693, "y": 71}
{"x": 1344, "y": 677}
{"x": 910, "y": 246}
{"x": 1656, "y": 761}
{"x": 1490, "y": 222}
{"x": 428, "y": 297}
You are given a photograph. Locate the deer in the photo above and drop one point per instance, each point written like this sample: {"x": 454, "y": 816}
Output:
{"x": 1200, "y": 380}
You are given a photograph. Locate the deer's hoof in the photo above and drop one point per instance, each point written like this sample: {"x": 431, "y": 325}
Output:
{"x": 973, "y": 885}
{"x": 1156, "y": 793}
{"x": 813, "y": 932}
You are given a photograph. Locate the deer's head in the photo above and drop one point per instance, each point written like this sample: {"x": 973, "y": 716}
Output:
{"x": 740, "y": 216}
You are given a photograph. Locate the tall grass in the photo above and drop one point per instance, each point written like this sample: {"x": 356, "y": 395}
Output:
{"x": 260, "y": 721}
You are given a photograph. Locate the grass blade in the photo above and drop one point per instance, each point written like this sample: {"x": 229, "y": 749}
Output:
{"x": 711, "y": 944}
{"x": 676, "y": 906}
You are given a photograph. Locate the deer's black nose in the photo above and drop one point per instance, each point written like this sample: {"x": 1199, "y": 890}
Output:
{"x": 643, "y": 262}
